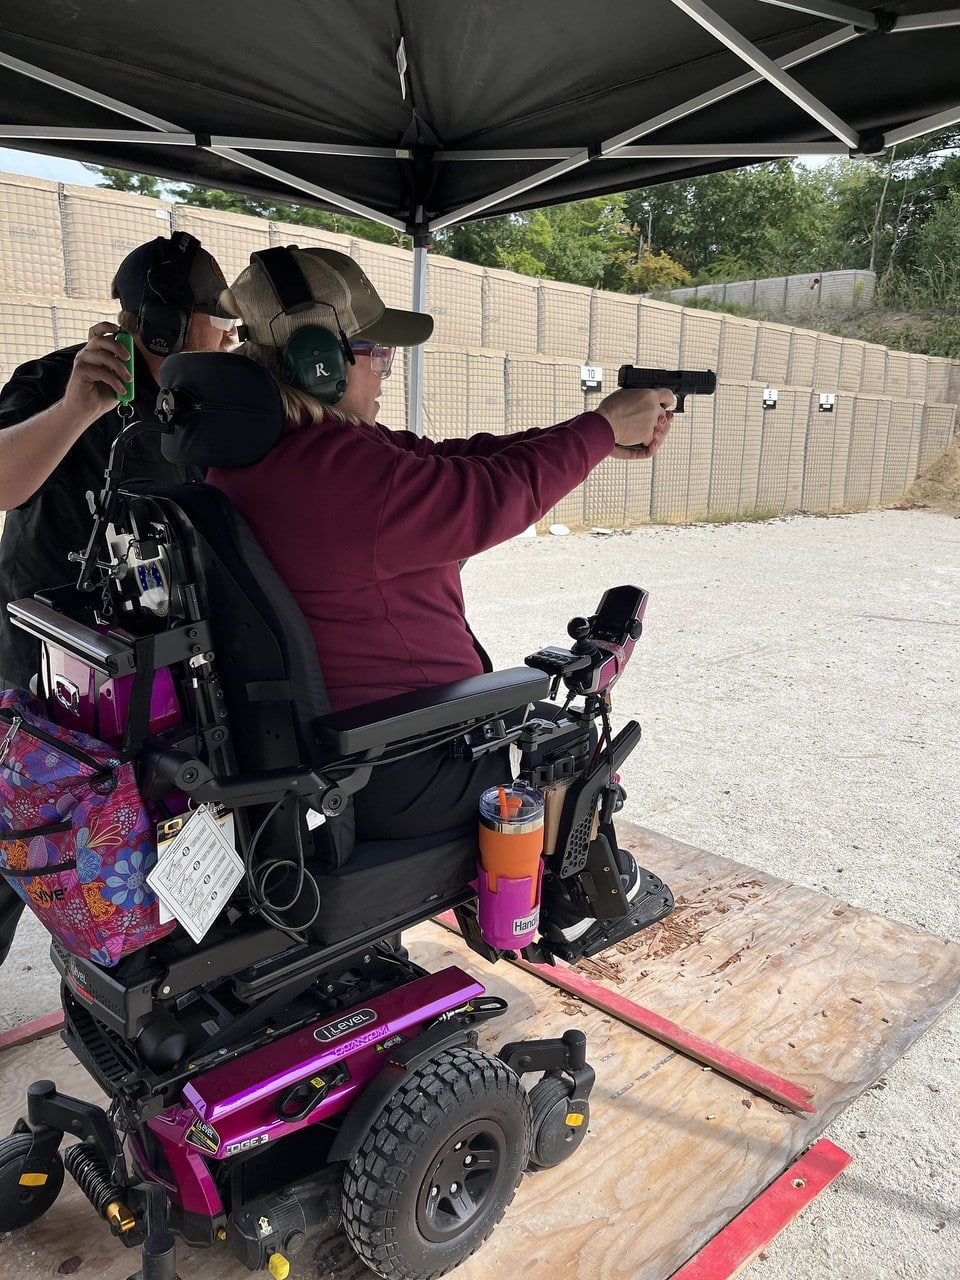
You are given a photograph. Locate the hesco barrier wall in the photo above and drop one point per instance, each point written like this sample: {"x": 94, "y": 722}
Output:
{"x": 845, "y": 289}
{"x": 507, "y": 354}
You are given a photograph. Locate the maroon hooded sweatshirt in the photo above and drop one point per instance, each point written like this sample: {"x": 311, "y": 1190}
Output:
{"x": 367, "y": 527}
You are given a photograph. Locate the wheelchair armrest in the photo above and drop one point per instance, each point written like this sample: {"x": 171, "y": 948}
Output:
{"x": 409, "y": 715}
{"x": 108, "y": 654}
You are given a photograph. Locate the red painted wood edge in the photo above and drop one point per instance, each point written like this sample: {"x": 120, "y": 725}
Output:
{"x": 729, "y": 1064}
{"x": 31, "y": 1030}
{"x": 739, "y": 1242}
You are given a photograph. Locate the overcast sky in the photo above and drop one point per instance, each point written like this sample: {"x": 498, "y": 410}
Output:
{"x": 49, "y": 167}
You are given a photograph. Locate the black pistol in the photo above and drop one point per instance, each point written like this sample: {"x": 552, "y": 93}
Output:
{"x": 682, "y": 382}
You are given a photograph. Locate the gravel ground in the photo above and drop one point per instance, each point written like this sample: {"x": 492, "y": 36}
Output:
{"x": 797, "y": 684}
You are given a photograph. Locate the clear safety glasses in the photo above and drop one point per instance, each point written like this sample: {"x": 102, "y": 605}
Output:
{"x": 381, "y": 358}
{"x": 224, "y": 323}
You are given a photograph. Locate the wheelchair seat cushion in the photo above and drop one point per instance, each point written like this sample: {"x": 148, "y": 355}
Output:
{"x": 387, "y": 879}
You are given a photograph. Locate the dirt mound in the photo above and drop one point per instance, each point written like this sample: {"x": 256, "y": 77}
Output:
{"x": 938, "y": 488}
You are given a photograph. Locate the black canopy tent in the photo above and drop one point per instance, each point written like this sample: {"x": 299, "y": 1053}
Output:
{"x": 422, "y": 113}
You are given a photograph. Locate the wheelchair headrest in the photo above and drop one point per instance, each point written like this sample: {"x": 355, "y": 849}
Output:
{"x": 220, "y": 410}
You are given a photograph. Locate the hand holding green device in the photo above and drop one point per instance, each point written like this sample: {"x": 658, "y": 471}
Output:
{"x": 126, "y": 341}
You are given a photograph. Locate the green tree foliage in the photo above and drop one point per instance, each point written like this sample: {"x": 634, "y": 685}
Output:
{"x": 578, "y": 243}
{"x": 654, "y": 273}
{"x": 733, "y": 225}
{"x": 140, "y": 184}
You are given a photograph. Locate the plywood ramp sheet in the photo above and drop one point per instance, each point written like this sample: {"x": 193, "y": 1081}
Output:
{"x": 820, "y": 992}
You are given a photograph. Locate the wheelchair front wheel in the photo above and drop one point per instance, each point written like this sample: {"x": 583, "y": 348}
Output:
{"x": 438, "y": 1167}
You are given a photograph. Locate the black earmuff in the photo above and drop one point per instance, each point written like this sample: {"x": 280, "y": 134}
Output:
{"x": 167, "y": 302}
{"x": 313, "y": 359}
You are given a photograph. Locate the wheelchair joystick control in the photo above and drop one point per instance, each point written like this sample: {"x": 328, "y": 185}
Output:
{"x": 510, "y": 869}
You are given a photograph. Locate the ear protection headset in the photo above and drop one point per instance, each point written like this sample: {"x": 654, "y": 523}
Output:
{"x": 167, "y": 302}
{"x": 313, "y": 359}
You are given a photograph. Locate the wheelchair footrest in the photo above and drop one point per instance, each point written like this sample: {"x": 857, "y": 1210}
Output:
{"x": 653, "y": 901}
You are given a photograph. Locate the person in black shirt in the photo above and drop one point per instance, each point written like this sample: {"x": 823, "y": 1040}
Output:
{"x": 58, "y": 420}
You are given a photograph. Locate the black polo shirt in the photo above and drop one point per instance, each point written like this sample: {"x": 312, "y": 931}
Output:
{"x": 39, "y": 534}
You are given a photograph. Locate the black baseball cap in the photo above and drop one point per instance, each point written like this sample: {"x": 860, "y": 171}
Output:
{"x": 156, "y": 270}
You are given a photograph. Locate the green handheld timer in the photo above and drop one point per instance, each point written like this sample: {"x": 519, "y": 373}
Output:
{"x": 126, "y": 341}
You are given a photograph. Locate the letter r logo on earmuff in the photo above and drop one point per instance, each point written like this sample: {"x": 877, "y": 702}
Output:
{"x": 313, "y": 361}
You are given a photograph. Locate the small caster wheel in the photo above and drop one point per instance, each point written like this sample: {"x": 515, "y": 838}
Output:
{"x": 24, "y": 1202}
{"x": 554, "y": 1139}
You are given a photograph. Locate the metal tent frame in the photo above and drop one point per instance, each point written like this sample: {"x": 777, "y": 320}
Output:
{"x": 814, "y": 128}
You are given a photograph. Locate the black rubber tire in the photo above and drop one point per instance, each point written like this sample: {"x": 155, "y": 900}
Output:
{"x": 553, "y": 1140}
{"x": 19, "y": 1206}
{"x": 400, "y": 1212}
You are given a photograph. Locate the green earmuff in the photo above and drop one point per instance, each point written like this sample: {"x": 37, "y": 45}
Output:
{"x": 313, "y": 360}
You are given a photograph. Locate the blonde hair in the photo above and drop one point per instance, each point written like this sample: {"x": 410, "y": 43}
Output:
{"x": 298, "y": 405}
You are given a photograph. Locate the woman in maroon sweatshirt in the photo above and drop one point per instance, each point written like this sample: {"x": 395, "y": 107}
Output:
{"x": 367, "y": 526}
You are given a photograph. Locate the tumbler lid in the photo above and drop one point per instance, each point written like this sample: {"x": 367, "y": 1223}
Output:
{"x": 513, "y": 807}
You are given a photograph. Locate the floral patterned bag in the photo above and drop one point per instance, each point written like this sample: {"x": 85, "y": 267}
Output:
{"x": 76, "y": 839}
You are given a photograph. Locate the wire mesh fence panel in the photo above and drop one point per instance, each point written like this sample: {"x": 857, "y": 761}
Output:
{"x": 390, "y": 271}
{"x": 510, "y": 307}
{"x": 486, "y": 392}
{"x": 604, "y": 494}
{"x": 729, "y": 443}
{"x": 874, "y": 369}
{"x": 896, "y": 380}
{"x": 953, "y": 388}
{"x": 568, "y": 399}
{"x": 613, "y": 330}
{"x": 780, "y": 470}
{"x": 825, "y": 455}
{"x": 293, "y": 233}
{"x": 393, "y": 394}
{"x": 564, "y": 320}
{"x": 658, "y": 334}
{"x": 72, "y": 320}
{"x": 568, "y": 511}
{"x": 826, "y": 363}
{"x": 31, "y": 241}
{"x": 455, "y": 300}
{"x": 530, "y": 385}
{"x": 803, "y": 291}
{"x": 99, "y": 229}
{"x": 637, "y": 491}
{"x": 26, "y": 331}
{"x": 851, "y": 364}
{"x": 444, "y": 393}
{"x": 698, "y": 422}
{"x": 738, "y": 348}
{"x": 741, "y": 293}
{"x": 937, "y": 424}
{"x": 862, "y": 454}
{"x": 802, "y": 360}
{"x": 938, "y": 380}
{"x": 230, "y": 237}
{"x": 699, "y": 339}
{"x": 884, "y": 407}
{"x": 773, "y": 354}
{"x": 918, "y": 370}
{"x": 669, "y": 498}
{"x": 900, "y": 453}
{"x": 771, "y": 294}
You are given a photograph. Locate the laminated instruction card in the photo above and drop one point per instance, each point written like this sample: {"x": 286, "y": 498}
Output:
{"x": 197, "y": 870}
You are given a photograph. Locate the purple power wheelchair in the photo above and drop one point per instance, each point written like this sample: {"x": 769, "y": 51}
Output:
{"x": 296, "y": 1072}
